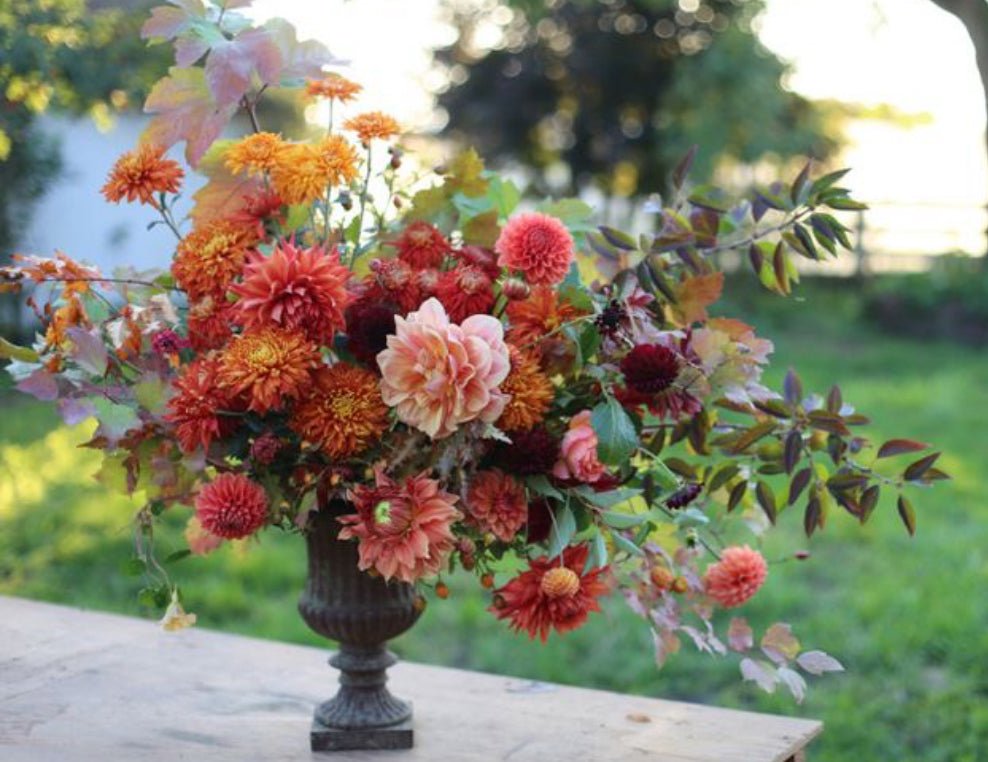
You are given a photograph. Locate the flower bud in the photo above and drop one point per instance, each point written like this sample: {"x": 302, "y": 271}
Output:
{"x": 515, "y": 289}
{"x": 661, "y": 577}
{"x": 680, "y": 585}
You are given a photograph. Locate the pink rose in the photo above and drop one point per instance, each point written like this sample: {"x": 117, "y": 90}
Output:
{"x": 578, "y": 452}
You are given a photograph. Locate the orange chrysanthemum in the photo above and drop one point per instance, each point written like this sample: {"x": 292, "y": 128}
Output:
{"x": 371, "y": 125}
{"x": 196, "y": 409}
{"x": 334, "y": 87}
{"x": 531, "y": 393}
{"x": 302, "y": 172}
{"x": 551, "y": 595}
{"x": 254, "y": 154}
{"x": 298, "y": 289}
{"x": 737, "y": 576}
{"x": 540, "y": 314}
{"x": 138, "y": 175}
{"x": 210, "y": 257}
{"x": 342, "y": 411}
{"x": 496, "y": 503}
{"x": 268, "y": 366}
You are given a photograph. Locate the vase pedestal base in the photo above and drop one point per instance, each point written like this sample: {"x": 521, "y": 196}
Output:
{"x": 324, "y": 738}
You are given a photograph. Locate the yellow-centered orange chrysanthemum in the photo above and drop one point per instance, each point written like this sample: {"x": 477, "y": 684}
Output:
{"x": 342, "y": 412}
{"x": 254, "y": 154}
{"x": 302, "y": 172}
{"x": 334, "y": 87}
{"x": 371, "y": 125}
{"x": 268, "y": 367}
{"x": 140, "y": 174}
{"x": 531, "y": 393}
{"x": 210, "y": 257}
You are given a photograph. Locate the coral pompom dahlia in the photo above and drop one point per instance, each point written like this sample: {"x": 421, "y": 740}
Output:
{"x": 140, "y": 174}
{"x": 232, "y": 506}
{"x": 537, "y": 245}
{"x": 736, "y": 577}
{"x": 496, "y": 503}
{"x": 439, "y": 375}
{"x": 551, "y": 595}
{"x": 268, "y": 367}
{"x": 342, "y": 412}
{"x": 404, "y": 528}
{"x": 297, "y": 289}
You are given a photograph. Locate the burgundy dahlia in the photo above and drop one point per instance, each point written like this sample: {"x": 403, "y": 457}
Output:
{"x": 531, "y": 452}
{"x": 650, "y": 368}
{"x": 368, "y": 324}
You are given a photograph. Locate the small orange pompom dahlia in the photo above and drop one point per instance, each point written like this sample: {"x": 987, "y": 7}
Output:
{"x": 298, "y": 289}
{"x": 139, "y": 174}
{"x": 232, "y": 506}
{"x": 210, "y": 257}
{"x": 334, "y": 87}
{"x": 371, "y": 125}
{"x": 254, "y": 154}
{"x": 268, "y": 366}
{"x": 342, "y": 411}
{"x": 496, "y": 503}
{"x": 531, "y": 393}
{"x": 404, "y": 528}
{"x": 421, "y": 245}
{"x": 537, "y": 245}
{"x": 736, "y": 577}
{"x": 551, "y": 595}
{"x": 196, "y": 409}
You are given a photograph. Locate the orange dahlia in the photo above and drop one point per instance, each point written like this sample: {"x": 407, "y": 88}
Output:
{"x": 198, "y": 405}
{"x": 531, "y": 393}
{"x": 210, "y": 257}
{"x": 254, "y": 154}
{"x": 342, "y": 411}
{"x": 421, "y": 245}
{"x": 209, "y": 324}
{"x": 232, "y": 506}
{"x": 464, "y": 291}
{"x": 138, "y": 175}
{"x": 736, "y": 577}
{"x": 298, "y": 289}
{"x": 268, "y": 365}
{"x": 537, "y": 245}
{"x": 334, "y": 87}
{"x": 372, "y": 124}
{"x": 404, "y": 528}
{"x": 496, "y": 503}
{"x": 302, "y": 172}
{"x": 540, "y": 314}
{"x": 554, "y": 594}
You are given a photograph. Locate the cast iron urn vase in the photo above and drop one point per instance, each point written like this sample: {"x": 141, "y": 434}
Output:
{"x": 361, "y": 613}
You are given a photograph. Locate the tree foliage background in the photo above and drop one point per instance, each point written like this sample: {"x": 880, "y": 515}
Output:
{"x": 610, "y": 93}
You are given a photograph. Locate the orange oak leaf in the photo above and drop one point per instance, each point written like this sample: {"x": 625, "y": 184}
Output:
{"x": 225, "y": 193}
{"x": 693, "y": 296}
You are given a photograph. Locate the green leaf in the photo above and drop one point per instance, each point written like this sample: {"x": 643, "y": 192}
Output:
{"x": 722, "y": 477}
{"x": 540, "y": 486}
{"x": 618, "y": 520}
{"x": 178, "y": 555}
{"x": 663, "y": 475}
{"x": 132, "y": 567}
{"x": 626, "y": 545}
{"x": 612, "y": 497}
{"x": 616, "y": 435}
{"x": 10, "y": 351}
{"x": 598, "y": 552}
{"x": 766, "y": 499}
{"x": 573, "y": 213}
{"x": 563, "y": 529}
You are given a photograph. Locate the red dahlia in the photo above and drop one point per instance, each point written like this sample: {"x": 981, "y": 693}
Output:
{"x": 196, "y": 409}
{"x": 232, "y": 506}
{"x": 421, "y": 245}
{"x": 650, "y": 368}
{"x": 464, "y": 291}
{"x": 368, "y": 325}
{"x": 551, "y": 595}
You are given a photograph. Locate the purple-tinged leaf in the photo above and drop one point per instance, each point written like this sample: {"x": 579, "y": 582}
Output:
{"x": 88, "y": 351}
{"x": 301, "y": 60}
{"x": 899, "y": 447}
{"x": 792, "y": 449}
{"x": 907, "y": 513}
{"x": 739, "y": 635}
{"x": 737, "y": 495}
{"x": 167, "y": 23}
{"x": 761, "y": 673}
{"x": 792, "y": 388}
{"x": 869, "y": 499}
{"x": 818, "y": 662}
{"x": 114, "y": 420}
{"x": 40, "y": 384}
{"x": 915, "y": 471}
{"x": 766, "y": 499}
{"x": 75, "y": 410}
{"x": 188, "y": 50}
{"x": 779, "y": 644}
{"x": 813, "y": 517}
{"x": 682, "y": 170}
{"x": 794, "y": 682}
{"x": 228, "y": 73}
{"x": 798, "y": 484}
{"x": 665, "y": 644}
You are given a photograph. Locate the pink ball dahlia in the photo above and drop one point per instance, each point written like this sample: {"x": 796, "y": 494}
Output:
{"x": 738, "y": 575}
{"x": 439, "y": 375}
{"x": 538, "y": 245}
{"x": 404, "y": 528}
{"x": 578, "y": 452}
{"x": 232, "y": 506}
{"x": 297, "y": 289}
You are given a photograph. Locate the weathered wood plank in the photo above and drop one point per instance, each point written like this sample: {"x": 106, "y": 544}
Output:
{"x": 82, "y": 685}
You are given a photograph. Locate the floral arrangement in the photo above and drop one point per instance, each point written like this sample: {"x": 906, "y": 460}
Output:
{"x": 545, "y": 403}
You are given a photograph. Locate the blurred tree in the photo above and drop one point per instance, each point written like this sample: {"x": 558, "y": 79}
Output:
{"x": 610, "y": 93}
{"x": 973, "y": 14}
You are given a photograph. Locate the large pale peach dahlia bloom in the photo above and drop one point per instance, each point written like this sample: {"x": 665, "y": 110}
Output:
{"x": 439, "y": 375}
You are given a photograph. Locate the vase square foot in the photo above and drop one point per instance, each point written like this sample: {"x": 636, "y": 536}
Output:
{"x": 398, "y": 736}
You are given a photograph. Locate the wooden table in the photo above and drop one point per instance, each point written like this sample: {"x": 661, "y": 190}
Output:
{"x": 79, "y": 685}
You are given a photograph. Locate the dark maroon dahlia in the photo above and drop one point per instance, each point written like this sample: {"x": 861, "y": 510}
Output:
{"x": 531, "y": 452}
{"x": 650, "y": 368}
{"x": 368, "y": 325}
{"x": 611, "y": 318}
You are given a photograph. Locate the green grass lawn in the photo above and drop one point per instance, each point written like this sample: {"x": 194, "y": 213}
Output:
{"x": 908, "y": 617}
